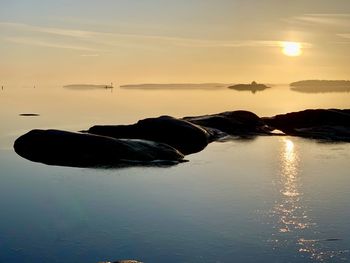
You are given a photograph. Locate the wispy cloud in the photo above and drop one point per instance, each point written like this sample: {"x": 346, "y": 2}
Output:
{"x": 48, "y": 30}
{"x": 89, "y": 55}
{"x": 35, "y": 42}
{"x": 107, "y": 39}
{"x": 338, "y": 20}
{"x": 347, "y": 36}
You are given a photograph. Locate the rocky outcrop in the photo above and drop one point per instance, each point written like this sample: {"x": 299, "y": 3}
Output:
{"x": 241, "y": 123}
{"x": 180, "y": 134}
{"x": 331, "y": 124}
{"x": 167, "y": 139}
{"x": 55, "y": 147}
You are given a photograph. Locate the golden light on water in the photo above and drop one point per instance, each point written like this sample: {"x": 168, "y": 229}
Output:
{"x": 291, "y": 49}
{"x": 290, "y": 210}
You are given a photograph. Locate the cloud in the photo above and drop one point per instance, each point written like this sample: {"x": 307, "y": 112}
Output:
{"x": 347, "y": 36}
{"x": 336, "y": 20}
{"x": 105, "y": 40}
{"x": 35, "y": 42}
{"x": 48, "y": 30}
{"x": 89, "y": 55}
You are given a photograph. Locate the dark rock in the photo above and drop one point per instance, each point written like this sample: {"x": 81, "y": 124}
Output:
{"x": 332, "y": 124}
{"x": 29, "y": 114}
{"x": 180, "y": 134}
{"x": 241, "y": 123}
{"x": 55, "y": 147}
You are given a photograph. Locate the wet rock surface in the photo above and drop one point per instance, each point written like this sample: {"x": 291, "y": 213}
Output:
{"x": 242, "y": 123}
{"x": 180, "y": 134}
{"x": 324, "y": 124}
{"x": 55, "y": 147}
{"x": 167, "y": 139}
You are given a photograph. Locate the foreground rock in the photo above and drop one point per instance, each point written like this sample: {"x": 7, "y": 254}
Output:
{"x": 332, "y": 124}
{"x": 239, "y": 123}
{"x": 167, "y": 139}
{"x": 55, "y": 147}
{"x": 180, "y": 134}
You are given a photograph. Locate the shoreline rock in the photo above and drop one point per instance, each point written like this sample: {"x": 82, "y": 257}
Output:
{"x": 168, "y": 139}
{"x": 63, "y": 148}
{"x": 183, "y": 135}
{"x": 323, "y": 124}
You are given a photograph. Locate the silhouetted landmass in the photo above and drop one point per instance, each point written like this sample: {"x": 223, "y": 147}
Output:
{"x": 253, "y": 87}
{"x": 168, "y": 139}
{"x": 175, "y": 86}
{"x": 87, "y": 86}
{"x": 320, "y": 86}
{"x": 29, "y": 114}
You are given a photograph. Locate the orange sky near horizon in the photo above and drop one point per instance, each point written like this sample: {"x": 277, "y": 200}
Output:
{"x": 158, "y": 41}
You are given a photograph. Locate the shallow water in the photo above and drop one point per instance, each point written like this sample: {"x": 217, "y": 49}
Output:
{"x": 269, "y": 199}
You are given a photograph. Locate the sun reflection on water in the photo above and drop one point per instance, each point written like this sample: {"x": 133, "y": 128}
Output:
{"x": 290, "y": 213}
{"x": 290, "y": 210}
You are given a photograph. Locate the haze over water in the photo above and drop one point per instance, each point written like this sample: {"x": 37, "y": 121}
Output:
{"x": 263, "y": 199}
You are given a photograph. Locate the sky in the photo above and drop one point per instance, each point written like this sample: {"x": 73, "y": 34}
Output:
{"x": 162, "y": 41}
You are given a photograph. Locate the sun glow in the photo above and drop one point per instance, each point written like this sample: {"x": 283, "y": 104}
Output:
{"x": 291, "y": 49}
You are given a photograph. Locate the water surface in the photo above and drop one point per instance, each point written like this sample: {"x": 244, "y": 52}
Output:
{"x": 269, "y": 199}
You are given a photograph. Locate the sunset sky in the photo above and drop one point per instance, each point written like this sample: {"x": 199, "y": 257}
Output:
{"x": 163, "y": 41}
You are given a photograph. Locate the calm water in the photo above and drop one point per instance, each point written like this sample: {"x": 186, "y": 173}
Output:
{"x": 280, "y": 199}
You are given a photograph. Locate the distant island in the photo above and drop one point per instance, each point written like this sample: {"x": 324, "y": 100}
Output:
{"x": 176, "y": 86}
{"x": 253, "y": 87}
{"x": 88, "y": 86}
{"x": 319, "y": 86}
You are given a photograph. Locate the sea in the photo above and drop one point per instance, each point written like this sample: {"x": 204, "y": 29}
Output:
{"x": 264, "y": 199}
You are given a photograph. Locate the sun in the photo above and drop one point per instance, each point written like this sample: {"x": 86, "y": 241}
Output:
{"x": 291, "y": 49}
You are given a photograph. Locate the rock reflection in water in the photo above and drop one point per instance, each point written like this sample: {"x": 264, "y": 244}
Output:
{"x": 290, "y": 213}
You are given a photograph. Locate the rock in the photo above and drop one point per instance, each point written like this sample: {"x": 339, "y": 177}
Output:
{"x": 186, "y": 137}
{"x": 29, "y": 114}
{"x": 332, "y": 124}
{"x": 241, "y": 123}
{"x": 55, "y": 147}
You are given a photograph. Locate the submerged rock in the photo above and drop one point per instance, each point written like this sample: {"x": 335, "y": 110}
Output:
{"x": 241, "y": 123}
{"x": 185, "y": 136}
{"x": 332, "y": 124}
{"x": 55, "y": 147}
